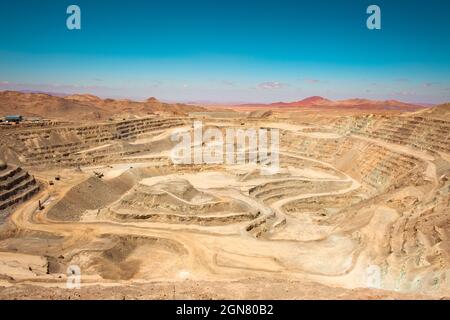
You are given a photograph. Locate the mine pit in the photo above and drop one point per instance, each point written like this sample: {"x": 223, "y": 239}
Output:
{"x": 351, "y": 193}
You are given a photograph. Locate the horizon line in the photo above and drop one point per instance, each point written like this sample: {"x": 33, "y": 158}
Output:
{"x": 207, "y": 102}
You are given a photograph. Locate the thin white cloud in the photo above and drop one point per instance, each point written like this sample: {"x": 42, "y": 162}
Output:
{"x": 312, "y": 81}
{"x": 405, "y": 93}
{"x": 270, "y": 85}
{"x": 156, "y": 84}
{"x": 229, "y": 83}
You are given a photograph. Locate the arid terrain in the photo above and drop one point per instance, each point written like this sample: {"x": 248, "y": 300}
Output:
{"x": 360, "y": 208}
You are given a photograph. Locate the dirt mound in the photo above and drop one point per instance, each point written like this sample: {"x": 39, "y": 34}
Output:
{"x": 171, "y": 200}
{"x": 92, "y": 194}
{"x": 260, "y": 114}
{"x": 125, "y": 257}
{"x": 180, "y": 188}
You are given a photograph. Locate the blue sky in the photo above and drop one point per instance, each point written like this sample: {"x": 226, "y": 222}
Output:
{"x": 228, "y": 51}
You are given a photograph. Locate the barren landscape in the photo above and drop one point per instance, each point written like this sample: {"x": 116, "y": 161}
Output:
{"x": 360, "y": 208}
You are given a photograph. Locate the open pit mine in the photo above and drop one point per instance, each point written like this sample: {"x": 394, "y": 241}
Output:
{"x": 359, "y": 208}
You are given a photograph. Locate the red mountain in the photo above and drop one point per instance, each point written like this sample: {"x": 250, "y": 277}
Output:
{"x": 311, "y": 101}
{"x": 316, "y": 101}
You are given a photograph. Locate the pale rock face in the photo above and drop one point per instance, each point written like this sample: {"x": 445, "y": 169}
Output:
{"x": 2, "y": 165}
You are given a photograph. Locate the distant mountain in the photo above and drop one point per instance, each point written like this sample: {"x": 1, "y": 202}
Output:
{"x": 56, "y": 94}
{"x": 311, "y": 101}
{"x": 83, "y": 107}
{"x": 377, "y": 104}
{"x": 83, "y": 98}
{"x": 324, "y": 103}
{"x": 439, "y": 111}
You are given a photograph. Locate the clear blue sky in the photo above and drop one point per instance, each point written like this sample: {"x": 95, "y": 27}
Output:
{"x": 228, "y": 50}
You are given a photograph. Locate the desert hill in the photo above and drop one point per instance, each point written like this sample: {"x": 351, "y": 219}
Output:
{"x": 320, "y": 102}
{"x": 83, "y": 107}
{"x": 440, "y": 111}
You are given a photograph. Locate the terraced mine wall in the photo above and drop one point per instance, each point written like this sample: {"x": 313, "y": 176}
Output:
{"x": 377, "y": 168}
{"x": 16, "y": 186}
{"x": 67, "y": 146}
{"x": 424, "y": 133}
{"x": 402, "y": 163}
